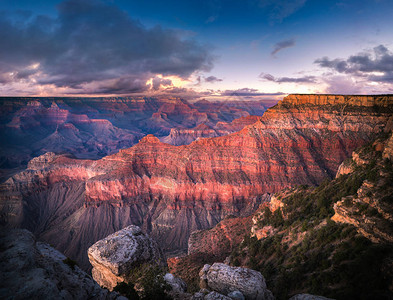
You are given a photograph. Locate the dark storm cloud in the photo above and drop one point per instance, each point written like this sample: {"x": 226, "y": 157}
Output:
{"x": 93, "y": 41}
{"x": 282, "y": 45}
{"x": 304, "y": 79}
{"x": 212, "y": 79}
{"x": 158, "y": 82}
{"x": 25, "y": 73}
{"x": 244, "y": 92}
{"x": 123, "y": 85}
{"x": 380, "y": 60}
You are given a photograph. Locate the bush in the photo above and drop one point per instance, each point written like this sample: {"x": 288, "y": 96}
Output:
{"x": 154, "y": 285}
{"x": 151, "y": 279}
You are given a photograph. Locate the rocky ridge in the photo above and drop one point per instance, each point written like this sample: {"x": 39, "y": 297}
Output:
{"x": 369, "y": 210}
{"x": 128, "y": 256}
{"x": 91, "y": 128}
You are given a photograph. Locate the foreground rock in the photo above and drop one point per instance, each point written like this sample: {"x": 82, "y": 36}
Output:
{"x": 31, "y": 270}
{"x": 225, "y": 279}
{"x": 116, "y": 256}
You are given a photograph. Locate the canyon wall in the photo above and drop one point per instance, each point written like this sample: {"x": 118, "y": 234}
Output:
{"x": 345, "y": 100}
{"x": 171, "y": 191}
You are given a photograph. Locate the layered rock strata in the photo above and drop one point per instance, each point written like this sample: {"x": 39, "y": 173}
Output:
{"x": 91, "y": 128}
{"x": 171, "y": 191}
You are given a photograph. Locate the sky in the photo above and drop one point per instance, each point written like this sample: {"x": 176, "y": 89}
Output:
{"x": 213, "y": 49}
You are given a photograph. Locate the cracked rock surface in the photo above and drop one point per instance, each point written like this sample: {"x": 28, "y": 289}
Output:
{"x": 114, "y": 257}
{"x": 225, "y": 279}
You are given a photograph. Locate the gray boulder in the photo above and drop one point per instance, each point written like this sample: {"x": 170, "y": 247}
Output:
{"x": 225, "y": 279}
{"x": 31, "y": 270}
{"x": 116, "y": 256}
{"x": 236, "y": 295}
{"x": 177, "y": 284}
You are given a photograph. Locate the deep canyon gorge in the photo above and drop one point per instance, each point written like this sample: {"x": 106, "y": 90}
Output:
{"x": 171, "y": 191}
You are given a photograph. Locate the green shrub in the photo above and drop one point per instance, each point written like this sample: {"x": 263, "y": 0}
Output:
{"x": 151, "y": 279}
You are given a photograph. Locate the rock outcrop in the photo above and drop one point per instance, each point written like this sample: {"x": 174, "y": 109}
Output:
{"x": 226, "y": 279}
{"x": 221, "y": 239}
{"x": 33, "y": 270}
{"x": 115, "y": 257}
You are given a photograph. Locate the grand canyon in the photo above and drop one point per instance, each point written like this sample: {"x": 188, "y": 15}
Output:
{"x": 196, "y": 150}
{"x": 171, "y": 191}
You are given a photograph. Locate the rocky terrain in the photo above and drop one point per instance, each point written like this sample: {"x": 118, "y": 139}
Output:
{"x": 334, "y": 239}
{"x": 370, "y": 210}
{"x": 95, "y": 127}
{"x": 128, "y": 258}
{"x": 34, "y": 270}
{"x": 171, "y": 191}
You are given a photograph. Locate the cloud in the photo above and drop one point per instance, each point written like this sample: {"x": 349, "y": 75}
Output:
{"x": 211, "y": 19}
{"x": 304, "y": 79}
{"x": 375, "y": 65}
{"x": 212, "y": 79}
{"x": 342, "y": 85}
{"x": 281, "y": 9}
{"x": 214, "y": 9}
{"x": 282, "y": 45}
{"x": 95, "y": 43}
{"x": 158, "y": 82}
{"x": 127, "y": 84}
